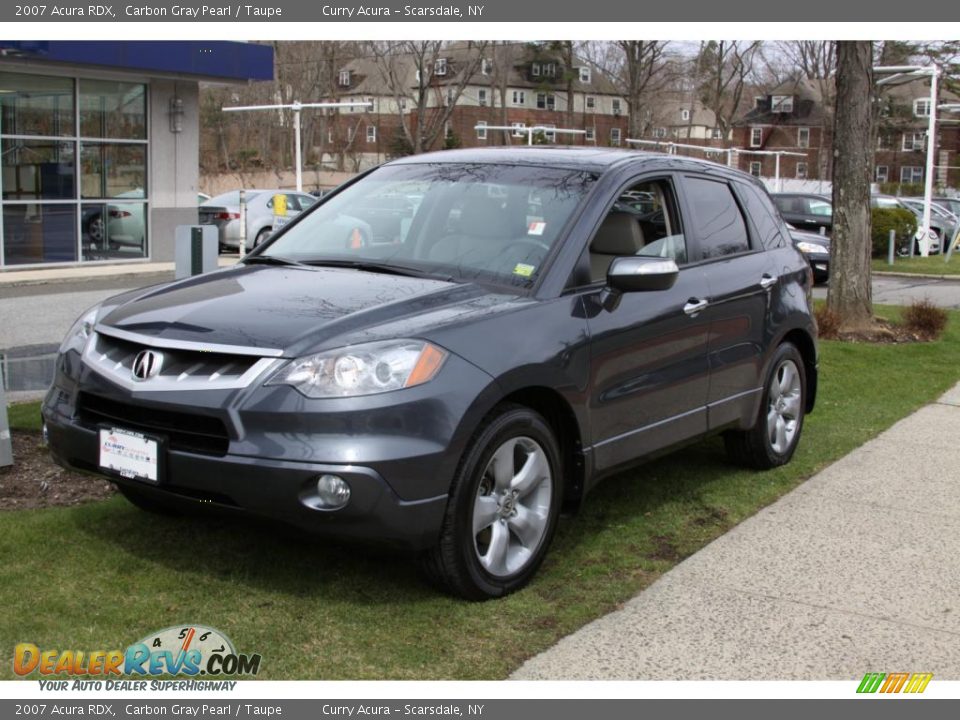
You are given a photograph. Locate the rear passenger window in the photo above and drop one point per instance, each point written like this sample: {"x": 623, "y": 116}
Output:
{"x": 763, "y": 216}
{"x": 716, "y": 218}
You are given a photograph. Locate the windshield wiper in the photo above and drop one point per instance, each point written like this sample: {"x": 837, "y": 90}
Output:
{"x": 375, "y": 267}
{"x": 270, "y": 260}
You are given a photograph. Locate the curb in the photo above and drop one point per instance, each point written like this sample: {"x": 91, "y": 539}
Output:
{"x": 100, "y": 274}
{"x": 922, "y": 276}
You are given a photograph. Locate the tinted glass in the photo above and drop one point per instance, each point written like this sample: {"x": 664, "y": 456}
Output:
{"x": 716, "y": 218}
{"x": 36, "y": 105}
{"x": 113, "y": 231}
{"x": 38, "y": 233}
{"x": 493, "y": 223}
{"x": 38, "y": 170}
{"x": 110, "y": 109}
{"x": 113, "y": 170}
{"x": 763, "y": 216}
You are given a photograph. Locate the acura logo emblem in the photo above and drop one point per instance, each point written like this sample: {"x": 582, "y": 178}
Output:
{"x": 147, "y": 364}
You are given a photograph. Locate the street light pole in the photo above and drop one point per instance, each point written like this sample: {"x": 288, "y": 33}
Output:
{"x": 296, "y": 107}
{"x": 905, "y": 73}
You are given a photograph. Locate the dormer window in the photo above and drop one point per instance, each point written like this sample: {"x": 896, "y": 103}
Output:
{"x": 440, "y": 66}
{"x": 344, "y": 78}
{"x": 535, "y": 69}
{"x": 781, "y": 103}
{"x": 585, "y": 75}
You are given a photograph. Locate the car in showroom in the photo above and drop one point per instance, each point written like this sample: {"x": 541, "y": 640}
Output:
{"x": 451, "y": 391}
{"x": 806, "y": 211}
{"x": 223, "y": 211}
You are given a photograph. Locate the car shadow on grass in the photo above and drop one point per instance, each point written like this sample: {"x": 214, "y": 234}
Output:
{"x": 636, "y": 517}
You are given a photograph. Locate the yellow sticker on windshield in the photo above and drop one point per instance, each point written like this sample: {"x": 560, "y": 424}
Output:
{"x": 523, "y": 269}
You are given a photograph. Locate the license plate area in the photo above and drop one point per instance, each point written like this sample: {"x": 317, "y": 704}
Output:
{"x": 130, "y": 454}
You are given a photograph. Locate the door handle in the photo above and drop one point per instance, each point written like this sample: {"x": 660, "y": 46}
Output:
{"x": 694, "y": 306}
{"x": 767, "y": 281}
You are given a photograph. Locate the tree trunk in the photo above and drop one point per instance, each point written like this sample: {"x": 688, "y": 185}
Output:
{"x": 850, "y": 295}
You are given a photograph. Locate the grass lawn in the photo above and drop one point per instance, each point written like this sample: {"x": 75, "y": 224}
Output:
{"x": 933, "y": 265}
{"x": 101, "y": 576}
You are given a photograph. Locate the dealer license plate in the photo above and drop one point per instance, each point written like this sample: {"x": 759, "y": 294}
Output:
{"x": 129, "y": 454}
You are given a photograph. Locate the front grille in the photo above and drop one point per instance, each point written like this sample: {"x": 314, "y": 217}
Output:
{"x": 186, "y": 432}
{"x": 115, "y": 356}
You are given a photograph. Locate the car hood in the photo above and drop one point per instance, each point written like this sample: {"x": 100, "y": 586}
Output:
{"x": 294, "y": 309}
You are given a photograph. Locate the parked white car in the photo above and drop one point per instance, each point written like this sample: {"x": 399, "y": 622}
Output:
{"x": 224, "y": 211}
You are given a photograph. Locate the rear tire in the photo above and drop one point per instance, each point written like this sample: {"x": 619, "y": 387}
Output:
{"x": 773, "y": 438}
{"x": 261, "y": 237}
{"x": 503, "y": 508}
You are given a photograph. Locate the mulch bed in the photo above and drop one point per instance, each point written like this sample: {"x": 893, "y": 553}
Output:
{"x": 884, "y": 332}
{"x": 36, "y": 481}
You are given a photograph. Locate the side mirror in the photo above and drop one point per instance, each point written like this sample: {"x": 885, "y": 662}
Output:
{"x": 638, "y": 273}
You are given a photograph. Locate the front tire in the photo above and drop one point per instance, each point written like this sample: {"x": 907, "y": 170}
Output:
{"x": 773, "y": 438}
{"x": 503, "y": 508}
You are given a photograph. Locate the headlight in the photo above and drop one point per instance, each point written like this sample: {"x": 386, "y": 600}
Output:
{"x": 363, "y": 369}
{"x": 77, "y": 338}
{"x": 808, "y": 247}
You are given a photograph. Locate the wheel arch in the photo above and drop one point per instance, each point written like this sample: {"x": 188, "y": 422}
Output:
{"x": 804, "y": 342}
{"x": 563, "y": 421}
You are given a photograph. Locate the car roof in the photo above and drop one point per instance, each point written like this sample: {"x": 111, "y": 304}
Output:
{"x": 589, "y": 159}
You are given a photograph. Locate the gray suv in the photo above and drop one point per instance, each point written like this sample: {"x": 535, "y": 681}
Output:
{"x": 448, "y": 371}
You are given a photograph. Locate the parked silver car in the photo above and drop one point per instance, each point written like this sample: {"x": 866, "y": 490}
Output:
{"x": 224, "y": 211}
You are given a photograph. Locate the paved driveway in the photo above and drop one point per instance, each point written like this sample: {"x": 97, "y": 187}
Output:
{"x": 889, "y": 290}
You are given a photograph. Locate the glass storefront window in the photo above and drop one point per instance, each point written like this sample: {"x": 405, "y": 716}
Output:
{"x": 109, "y": 170}
{"x": 36, "y": 105}
{"x": 39, "y": 233}
{"x": 113, "y": 231}
{"x": 38, "y": 170}
{"x": 110, "y": 109}
{"x": 63, "y": 199}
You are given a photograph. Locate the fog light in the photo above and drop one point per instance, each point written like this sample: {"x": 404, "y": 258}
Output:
{"x": 333, "y": 492}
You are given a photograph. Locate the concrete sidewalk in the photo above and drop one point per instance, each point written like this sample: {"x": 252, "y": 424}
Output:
{"x": 856, "y": 570}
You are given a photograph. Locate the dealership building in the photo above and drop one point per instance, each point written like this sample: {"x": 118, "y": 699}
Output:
{"x": 100, "y": 145}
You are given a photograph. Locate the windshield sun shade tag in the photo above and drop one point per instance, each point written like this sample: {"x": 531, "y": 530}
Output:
{"x": 536, "y": 228}
{"x": 523, "y": 269}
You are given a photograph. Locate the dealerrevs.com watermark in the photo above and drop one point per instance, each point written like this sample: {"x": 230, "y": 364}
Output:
{"x": 190, "y": 650}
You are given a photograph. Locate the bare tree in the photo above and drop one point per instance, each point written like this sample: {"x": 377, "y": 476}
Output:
{"x": 723, "y": 68}
{"x": 640, "y": 75}
{"x": 503, "y": 55}
{"x": 816, "y": 62}
{"x": 439, "y": 75}
{"x": 850, "y": 294}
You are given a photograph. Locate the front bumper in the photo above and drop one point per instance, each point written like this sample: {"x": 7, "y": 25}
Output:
{"x": 399, "y": 458}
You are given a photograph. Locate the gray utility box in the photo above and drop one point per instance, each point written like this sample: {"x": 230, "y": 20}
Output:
{"x": 6, "y": 445}
{"x": 196, "y": 249}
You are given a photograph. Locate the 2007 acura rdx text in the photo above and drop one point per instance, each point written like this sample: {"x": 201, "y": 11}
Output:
{"x": 450, "y": 349}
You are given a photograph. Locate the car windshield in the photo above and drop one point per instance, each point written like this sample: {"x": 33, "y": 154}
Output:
{"x": 466, "y": 222}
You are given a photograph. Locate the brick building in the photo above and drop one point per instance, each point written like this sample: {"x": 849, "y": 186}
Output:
{"x": 792, "y": 118}
{"x": 507, "y": 85}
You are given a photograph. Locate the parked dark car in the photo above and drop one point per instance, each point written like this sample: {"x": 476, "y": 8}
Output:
{"x": 816, "y": 248}
{"x": 806, "y": 211}
{"x": 453, "y": 390}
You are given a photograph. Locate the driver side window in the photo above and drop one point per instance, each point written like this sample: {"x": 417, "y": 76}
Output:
{"x": 644, "y": 220}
